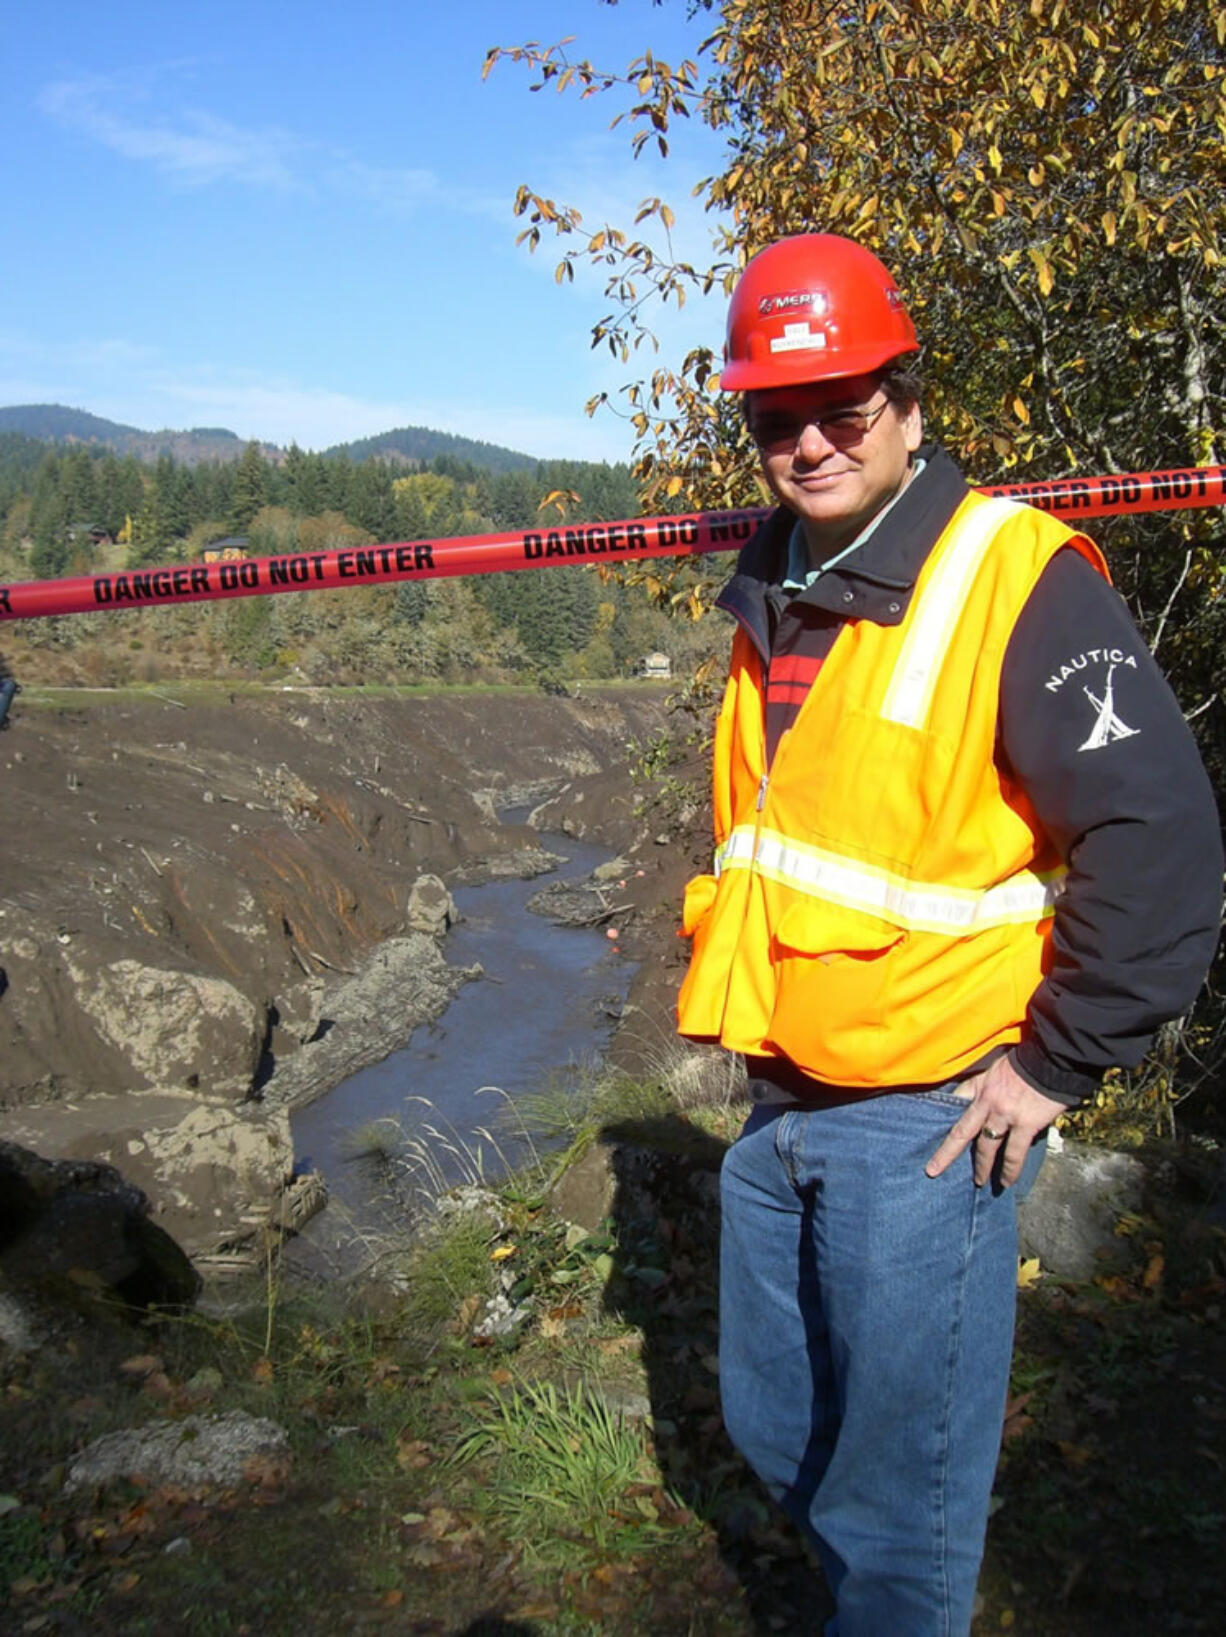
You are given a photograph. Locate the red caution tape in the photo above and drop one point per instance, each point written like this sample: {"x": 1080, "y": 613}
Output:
{"x": 1132, "y": 492}
{"x": 543, "y": 547}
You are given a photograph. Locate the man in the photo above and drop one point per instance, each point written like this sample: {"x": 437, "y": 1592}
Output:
{"x": 967, "y": 860}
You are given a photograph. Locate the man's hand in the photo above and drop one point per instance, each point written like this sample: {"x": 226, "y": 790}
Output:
{"x": 1004, "y": 1113}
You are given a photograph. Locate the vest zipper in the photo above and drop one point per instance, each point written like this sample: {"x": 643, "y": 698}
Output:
{"x": 762, "y": 784}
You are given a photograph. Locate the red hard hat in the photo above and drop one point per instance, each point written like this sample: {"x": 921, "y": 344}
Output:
{"x": 813, "y": 308}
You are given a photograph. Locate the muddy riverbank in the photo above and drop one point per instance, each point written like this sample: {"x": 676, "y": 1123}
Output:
{"x": 205, "y": 900}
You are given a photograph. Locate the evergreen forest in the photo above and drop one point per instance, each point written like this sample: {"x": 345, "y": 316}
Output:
{"x": 80, "y": 509}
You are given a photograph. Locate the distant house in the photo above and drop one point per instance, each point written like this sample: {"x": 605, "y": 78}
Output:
{"x": 657, "y": 666}
{"x": 94, "y": 532}
{"x": 228, "y": 549}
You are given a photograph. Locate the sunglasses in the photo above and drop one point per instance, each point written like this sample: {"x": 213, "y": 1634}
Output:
{"x": 777, "y": 432}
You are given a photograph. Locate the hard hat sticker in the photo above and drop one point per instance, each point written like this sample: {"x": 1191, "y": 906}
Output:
{"x": 798, "y": 338}
{"x": 817, "y": 301}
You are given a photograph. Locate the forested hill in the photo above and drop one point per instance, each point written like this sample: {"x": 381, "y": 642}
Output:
{"x": 54, "y": 423}
{"x": 403, "y": 445}
{"x": 418, "y": 446}
{"x": 85, "y": 508}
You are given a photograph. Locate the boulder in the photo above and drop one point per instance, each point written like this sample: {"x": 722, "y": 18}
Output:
{"x": 300, "y": 1011}
{"x": 227, "y": 1449}
{"x": 173, "y": 1027}
{"x": 613, "y": 869}
{"x": 586, "y": 1191}
{"x": 1068, "y": 1219}
{"x": 213, "y": 1171}
{"x": 431, "y": 908}
{"x": 80, "y": 1219}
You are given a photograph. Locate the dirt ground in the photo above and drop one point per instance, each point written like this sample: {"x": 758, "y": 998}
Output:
{"x": 324, "y": 808}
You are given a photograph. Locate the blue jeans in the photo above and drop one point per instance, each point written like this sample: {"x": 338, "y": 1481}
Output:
{"x": 866, "y": 1327}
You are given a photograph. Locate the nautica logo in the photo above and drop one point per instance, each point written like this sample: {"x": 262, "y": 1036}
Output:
{"x": 1108, "y": 725}
{"x": 1092, "y": 656}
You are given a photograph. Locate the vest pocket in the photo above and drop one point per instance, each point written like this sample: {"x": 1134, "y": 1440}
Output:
{"x": 831, "y": 976}
{"x": 699, "y": 896}
{"x": 826, "y": 930}
{"x": 713, "y": 921}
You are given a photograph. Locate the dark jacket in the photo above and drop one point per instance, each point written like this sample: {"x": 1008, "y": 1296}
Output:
{"x": 1090, "y": 730}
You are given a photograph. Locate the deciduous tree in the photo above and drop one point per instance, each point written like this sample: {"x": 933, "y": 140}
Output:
{"x": 1046, "y": 180}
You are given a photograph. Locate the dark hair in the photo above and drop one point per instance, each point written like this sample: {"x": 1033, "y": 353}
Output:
{"x": 901, "y": 383}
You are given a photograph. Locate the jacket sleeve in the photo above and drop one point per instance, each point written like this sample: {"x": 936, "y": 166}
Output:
{"x": 1094, "y": 736}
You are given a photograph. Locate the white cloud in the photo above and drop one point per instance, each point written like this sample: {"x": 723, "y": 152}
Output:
{"x": 195, "y": 149}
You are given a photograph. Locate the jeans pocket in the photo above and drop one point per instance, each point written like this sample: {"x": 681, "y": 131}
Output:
{"x": 948, "y": 1096}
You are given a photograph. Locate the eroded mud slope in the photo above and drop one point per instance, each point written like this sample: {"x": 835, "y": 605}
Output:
{"x": 178, "y": 885}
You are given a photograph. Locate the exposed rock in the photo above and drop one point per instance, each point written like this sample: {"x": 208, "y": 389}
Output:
{"x": 572, "y": 903}
{"x": 431, "y": 908}
{"x": 585, "y": 1192}
{"x": 470, "y": 1200}
{"x": 613, "y": 869}
{"x": 623, "y": 1173}
{"x": 1068, "y": 1219}
{"x": 323, "y": 811}
{"x": 502, "y": 1317}
{"x": 174, "y": 1028}
{"x": 81, "y": 1219}
{"x": 405, "y": 982}
{"x": 214, "y": 1171}
{"x": 522, "y": 864}
{"x": 225, "y": 1449}
{"x": 622, "y": 1402}
{"x": 300, "y": 1010}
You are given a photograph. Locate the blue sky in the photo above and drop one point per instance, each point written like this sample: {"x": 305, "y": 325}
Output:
{"x": 296, "y": 222}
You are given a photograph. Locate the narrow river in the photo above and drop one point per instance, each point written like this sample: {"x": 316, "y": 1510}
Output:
{"x": 546, "y": 1006}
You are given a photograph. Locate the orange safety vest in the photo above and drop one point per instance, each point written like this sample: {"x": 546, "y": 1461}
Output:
{"x": 881, "y": 904}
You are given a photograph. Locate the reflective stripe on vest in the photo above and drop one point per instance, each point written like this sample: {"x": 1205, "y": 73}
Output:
{"x": 918, "y": 906}
{"x": 924, "y": 648}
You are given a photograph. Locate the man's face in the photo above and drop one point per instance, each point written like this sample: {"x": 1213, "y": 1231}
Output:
{"x": 835, "y": 478}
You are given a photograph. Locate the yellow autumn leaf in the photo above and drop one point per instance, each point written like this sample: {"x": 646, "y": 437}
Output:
{"x": 1029, "y": 1272}
{"x": 501, "y": 1252}
{"x": 1022, "y": 413}
{"x": 1043, "y": 268}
